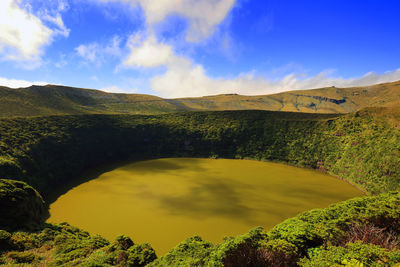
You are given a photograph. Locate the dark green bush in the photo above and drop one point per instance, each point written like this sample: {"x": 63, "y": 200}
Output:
{"x": 21, "y": 206}
{"x": 21, "y": 257}
{"x": 278, "y": 253}
{"x": 140, "y": 255}
{"x": 122, "y": 242}
{"x": 5, "y": 241}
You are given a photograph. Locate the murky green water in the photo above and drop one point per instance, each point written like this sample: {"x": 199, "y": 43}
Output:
{"x": 165, "y": 201}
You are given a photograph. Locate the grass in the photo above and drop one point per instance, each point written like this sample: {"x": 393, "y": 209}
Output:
{"x": 61, "y": 100}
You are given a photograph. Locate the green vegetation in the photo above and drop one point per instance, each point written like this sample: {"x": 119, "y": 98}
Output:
{"x": 64, "y": 245}
{"x": 361, "y": 147}
{"x": 21, "y": 207}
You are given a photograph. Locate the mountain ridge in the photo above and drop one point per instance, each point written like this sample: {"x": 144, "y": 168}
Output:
{"x": 62, "y": 100}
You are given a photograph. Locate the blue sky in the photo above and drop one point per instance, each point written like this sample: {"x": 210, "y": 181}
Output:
{"x": 175, "y": 48}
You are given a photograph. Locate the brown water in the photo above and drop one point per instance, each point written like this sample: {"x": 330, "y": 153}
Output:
{"x": 165, "y": 201}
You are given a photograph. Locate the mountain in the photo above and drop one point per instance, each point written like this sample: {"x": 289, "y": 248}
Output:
{"x": 57, "y": 100}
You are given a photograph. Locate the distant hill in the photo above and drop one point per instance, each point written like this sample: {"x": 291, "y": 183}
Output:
{"x": 57, "y": 100}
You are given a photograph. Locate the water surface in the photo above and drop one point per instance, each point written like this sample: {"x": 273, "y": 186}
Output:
{"x": 165, "y": 201}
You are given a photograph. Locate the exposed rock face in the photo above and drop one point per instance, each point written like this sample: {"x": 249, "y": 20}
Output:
{"x": 21, "y": 206}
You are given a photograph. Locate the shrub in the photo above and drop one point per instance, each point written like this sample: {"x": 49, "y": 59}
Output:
{"x": 278, "y": 253}
{"x": 194, "y": 251}
{"x": 21, "y": 206}
{"x": 141, "y": 255}
{"x": 123, "y": 242}
{"x": 22, "y": 257}
{"x": 5, "y": 240}
{"x": 367, "y": 254}
{"x": 24, "y": 240}
{"x": 371, "y": 234}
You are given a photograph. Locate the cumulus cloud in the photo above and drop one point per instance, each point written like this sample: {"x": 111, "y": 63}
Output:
{"x": 23, "y": 35}
{"x": 19, "y": 83}
{"x": 202, "y": 16}
{"x": 96, "y": 52}
{"x": 147, "y": 53}
{"x": 192, "y": 80}
{"x": 184, "y": 78}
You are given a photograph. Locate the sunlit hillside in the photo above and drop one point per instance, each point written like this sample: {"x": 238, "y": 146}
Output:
{"x": 52, "y": 99}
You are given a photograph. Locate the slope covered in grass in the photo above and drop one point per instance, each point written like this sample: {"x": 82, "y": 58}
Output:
{"x": 362, "y": 148}
{"x": 59, "y": 100}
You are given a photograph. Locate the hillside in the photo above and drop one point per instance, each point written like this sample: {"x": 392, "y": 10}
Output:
{"x": 59, "y": 100}
{"x": 362, "y": 148}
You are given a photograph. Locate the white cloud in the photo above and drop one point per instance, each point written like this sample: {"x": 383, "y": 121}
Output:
{"x": 193, "y": 81}
{"x": 148, "y": 53}
{"x": 184, "y": 78}
{"x": 89, "y": 52}
{"x": 96, "y": 53}
{"x": 59, "y": 23}
{"x": 116, "y": 89}
{"x": 202, "y": 16}
{"x": 51, "y": 13}
{"x": 19, "y": 83}
{"x": 23, "y": 35}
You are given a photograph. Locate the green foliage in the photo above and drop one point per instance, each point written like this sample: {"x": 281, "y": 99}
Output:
{"x": 141, "y": 255}
{"x": 313, "y": 228}
{"x": 22, "y": 257}
{"x": 361, "y": 148}
{"x": 5, "y": 240}
{"x": 279, "y": 245}
{"x": 193, "y": 251}
{"x": 353, "y": 254}
{"x": 122, "y": 242}
{"x": 21, "y": 206}
{"x": 65, "y": 245}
